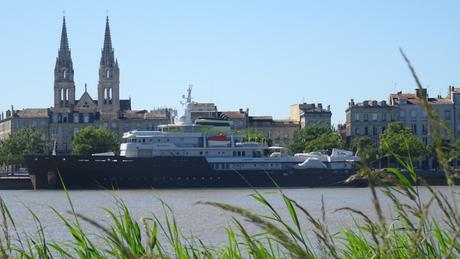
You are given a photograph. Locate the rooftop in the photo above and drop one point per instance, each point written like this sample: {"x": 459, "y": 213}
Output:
{"x": 411, "y": 98}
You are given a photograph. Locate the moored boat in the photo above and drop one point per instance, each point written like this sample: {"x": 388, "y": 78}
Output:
{"x": 189, "y": 154}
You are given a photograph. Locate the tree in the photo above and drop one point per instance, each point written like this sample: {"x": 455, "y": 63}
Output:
{"x": 90, "y": 140}
{"x": 28, "y": 141}
{"x": 257, "y": 136}
{"x": 364, "y": 146}
{"x": 400, "y": 141}
{"x": 315, "y": 137}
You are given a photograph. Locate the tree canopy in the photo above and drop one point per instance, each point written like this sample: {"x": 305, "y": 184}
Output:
{"x": 26, "y": 141}
{"x": 92, "y": 140}
{"x": 365, "y": 148}
{"x": 315, "y": 137}
{"x": 257, "y": 136}
{"x": 400, "y": 141}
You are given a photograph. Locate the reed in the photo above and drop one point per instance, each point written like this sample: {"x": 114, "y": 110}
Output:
{"x": 412, "y": 231}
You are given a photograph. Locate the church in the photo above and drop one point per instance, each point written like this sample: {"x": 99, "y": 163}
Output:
{"x": 69, "y": 114}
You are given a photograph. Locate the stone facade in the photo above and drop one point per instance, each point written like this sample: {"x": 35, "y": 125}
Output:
{"x": 14, "y": 120}
{"x": 203, "y": 110}
{"x": 239, "y": 118}
{"x": 69, "y": 115}
{"x": 368, "y": 118}
{"x": 280, "y": 131}
{"x": 308, "y": 114}
{"x": 412, "y": 114}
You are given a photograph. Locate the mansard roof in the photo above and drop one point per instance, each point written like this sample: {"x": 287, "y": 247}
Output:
{"x": 145, "y": 115}
{"x": 413, "y": 99}
{"x": 32, "y": 113}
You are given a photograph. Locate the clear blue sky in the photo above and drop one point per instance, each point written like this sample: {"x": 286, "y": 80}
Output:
{"x": 264, "y": 55}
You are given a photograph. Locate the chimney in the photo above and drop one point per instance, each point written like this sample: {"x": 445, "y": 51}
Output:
{"x": 421, "y": 93}
{"x": 241, "y": 110}
{"x": 352, "y": 102}
{"x": 366, "y": 103}
{"x": 320, "y": 106}
{"x": 374, "y": 103}
{"x": 328, "y": 108}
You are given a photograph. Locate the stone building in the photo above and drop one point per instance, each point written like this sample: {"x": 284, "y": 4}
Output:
{"x": 239, "y": 118}
{"x": 13, "y": 120}
{"x": 69, "y": 115}
{"x": 280, "y": 131}
{"x": 412, "y": 114}
{"x": 203, "y": 110}
{"x": 368, "y": 118}
{"x": 308, "y": 114}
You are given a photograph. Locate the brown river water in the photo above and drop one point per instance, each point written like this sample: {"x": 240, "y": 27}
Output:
{"x": 207, "y": 223}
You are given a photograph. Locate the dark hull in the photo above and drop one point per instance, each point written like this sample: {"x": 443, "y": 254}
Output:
{"x": 84, "y": 172}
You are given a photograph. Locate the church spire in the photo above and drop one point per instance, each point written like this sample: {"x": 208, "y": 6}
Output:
{"x": 64, "y": 58}
{"x": 107, "y": 58}
{"x": 109, "y": 77}
{"x": 64, "y": 87}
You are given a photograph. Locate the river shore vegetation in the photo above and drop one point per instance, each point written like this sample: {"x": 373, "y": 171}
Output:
{"x": 412, "y": 231}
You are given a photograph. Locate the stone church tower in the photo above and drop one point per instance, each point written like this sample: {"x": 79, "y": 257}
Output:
{"x": 108, "y": 89}
{"x": 64, "y": 85}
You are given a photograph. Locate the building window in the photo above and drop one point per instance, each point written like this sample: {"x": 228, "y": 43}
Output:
{"x": 424, "y": 129}
{"x": 356, "y": 117}
{"x": 366, "y": 117}
{"x": 413, "y": 115}
{"x": 374, "y": 116}
{"x": 86, "y": 118}
{"x": 366, "y": 131}
{"x": 447, "y": 115}
{"x": 424, "y": 115}
{"x": 402, "y": 115}
{"x": 76, "y": 118}
{"x": 374, "y": 131}
{"x": 414, "y": 128}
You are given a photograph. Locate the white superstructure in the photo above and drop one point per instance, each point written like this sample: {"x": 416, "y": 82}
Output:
{"x": 213, "y": 139}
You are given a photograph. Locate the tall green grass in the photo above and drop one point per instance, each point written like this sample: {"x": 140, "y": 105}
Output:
{"x": 417, "y": 228}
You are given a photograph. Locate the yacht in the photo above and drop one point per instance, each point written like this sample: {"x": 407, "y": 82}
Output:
{"x": 191, "y": 154}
